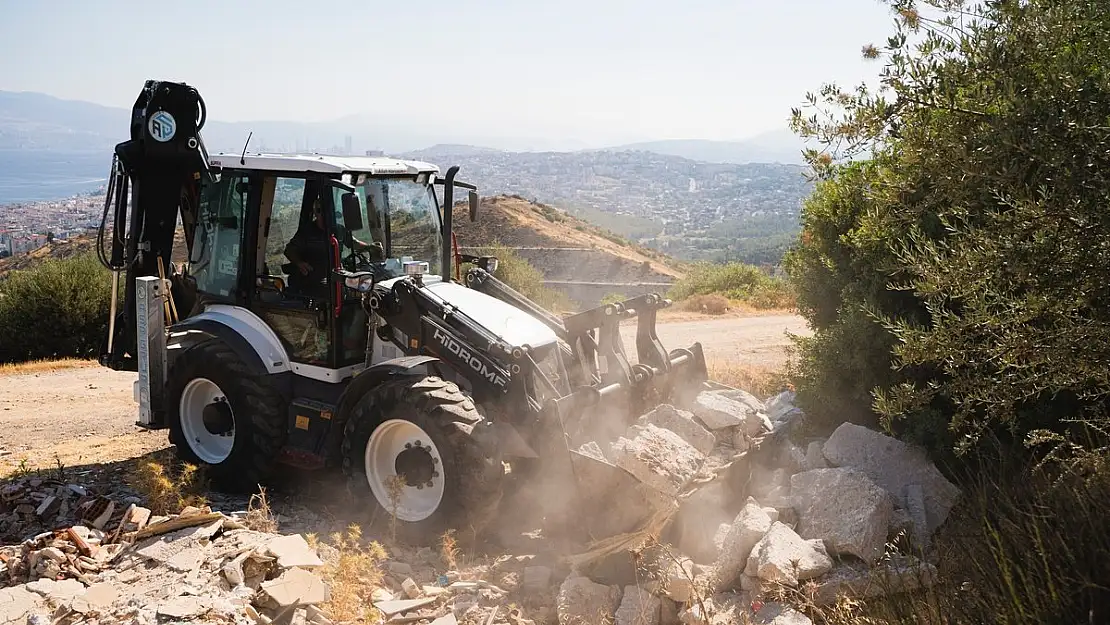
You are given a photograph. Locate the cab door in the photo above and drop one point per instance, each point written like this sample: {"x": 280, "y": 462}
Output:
{"x": 221, "y": 239}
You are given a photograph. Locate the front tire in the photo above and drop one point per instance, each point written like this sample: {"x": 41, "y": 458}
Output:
{"x": 412, "y": 446}
{"x": 224, "y": 417}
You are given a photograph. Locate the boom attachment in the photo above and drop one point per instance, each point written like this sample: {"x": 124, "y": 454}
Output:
{"x": 158, "y": 170}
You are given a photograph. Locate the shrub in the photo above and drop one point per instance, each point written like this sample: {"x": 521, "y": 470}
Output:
{"x": 966, "y": 240}
{"x": 712, "y": 304}
{"x": 57, "y": 309}
{"x": 735, "y": 281}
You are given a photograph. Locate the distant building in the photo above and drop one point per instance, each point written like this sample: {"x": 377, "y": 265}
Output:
{"x": 375, "y": 153}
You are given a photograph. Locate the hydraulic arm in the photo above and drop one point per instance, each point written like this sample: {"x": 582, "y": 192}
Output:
{"x": 158, "y": 170}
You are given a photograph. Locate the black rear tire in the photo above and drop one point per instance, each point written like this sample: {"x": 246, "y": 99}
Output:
{"x": 471, "y": 472}
{"x": 256, "y": 407}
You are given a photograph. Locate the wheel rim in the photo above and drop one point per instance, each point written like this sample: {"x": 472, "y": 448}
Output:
{"x": 207, "y": 421}
{"x": 402, "y": 449}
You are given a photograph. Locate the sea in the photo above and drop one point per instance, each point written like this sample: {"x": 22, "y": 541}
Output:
{"x": 33, "y": 175}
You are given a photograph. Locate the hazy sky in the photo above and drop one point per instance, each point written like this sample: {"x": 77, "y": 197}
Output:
{"x": 599, "y": 71}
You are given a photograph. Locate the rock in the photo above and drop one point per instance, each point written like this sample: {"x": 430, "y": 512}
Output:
{"x": 783, "y": 556}
{"x": 893, "y": 465}
{"x": 658, "y": 458}
{"x": 681, "y": 422}
{"x": 815, "y": 458}
{"x": 399, "y": 569}
{"x": 745, "y": 532}
{"x": 740, "y": 410}
{"x": 780, "y": 405}
{"x": 411, "y": 589}
{"x": 779, "y": 614}
{"x": 723, "y": 609}
{"x": 638, "y": 607}
{"x": 845, "y": 508}
{"x": 583, "y": 602}
{"x": 296, "y": 586}
{"x": 914, "y": 503}
{"x": 181, "y": 607}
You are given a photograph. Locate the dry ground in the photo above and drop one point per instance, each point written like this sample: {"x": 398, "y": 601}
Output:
{"x": 78, "y": 413}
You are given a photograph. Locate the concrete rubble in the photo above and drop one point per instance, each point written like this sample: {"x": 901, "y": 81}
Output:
{"x": 758, "y": 506}
{"x": 698, "y": 511}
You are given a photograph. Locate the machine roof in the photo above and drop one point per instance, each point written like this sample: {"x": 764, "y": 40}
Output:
{"x": 321, "y": 163}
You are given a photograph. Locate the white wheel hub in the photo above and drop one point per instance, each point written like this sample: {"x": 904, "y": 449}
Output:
{"x": 207, "y": 421}
{"x": 404, "y": 470}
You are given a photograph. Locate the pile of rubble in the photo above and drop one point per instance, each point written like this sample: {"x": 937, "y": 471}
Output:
{"x": 707, "y": 509}
{"x": 743, "y": 512}
{"x": 205, "y": 566}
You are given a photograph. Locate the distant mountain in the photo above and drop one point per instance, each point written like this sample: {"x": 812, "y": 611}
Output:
{"x": 777, "y": 146}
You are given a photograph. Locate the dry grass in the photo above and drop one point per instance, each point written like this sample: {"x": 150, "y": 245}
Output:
{"x": 449, "y": 550}
{"x": 167, "y": 490}
{"x": 712, "y": 304}
{"x": 353, "y": 576}
{"x": 259, "y": 516}
{"x": 759, "y": 380}
{"x": 46, "y": 366}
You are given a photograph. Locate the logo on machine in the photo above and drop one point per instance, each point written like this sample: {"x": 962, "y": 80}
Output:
{"x": 162, "y": 126}
{"x": 450, "y": 344}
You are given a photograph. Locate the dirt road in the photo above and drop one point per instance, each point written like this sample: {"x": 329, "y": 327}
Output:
{"x": 87, "y": 414}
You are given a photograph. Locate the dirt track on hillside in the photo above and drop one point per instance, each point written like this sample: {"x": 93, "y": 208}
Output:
{"x": 87, "y": 414}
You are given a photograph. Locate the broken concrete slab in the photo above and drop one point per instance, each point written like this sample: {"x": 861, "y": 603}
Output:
{"x": 581, "y": 601}
{"x": 657, "y": 457}
{"x": 17, "y": 605}
{"x": 292, "y": 550}
{"x": 783, "y": 556}
{"x": 681, "y": 422}
{"x": 845, "y": 508}
{"x": 296, "y": 586}
{"x": 893, "y": 465}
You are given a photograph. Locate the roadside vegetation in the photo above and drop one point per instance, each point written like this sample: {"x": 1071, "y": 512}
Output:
{"x": 519, "y": 274}
{"x": 953, "y": 267}
{"x": 56, "y": 310}
{"x": 716, "y": 288}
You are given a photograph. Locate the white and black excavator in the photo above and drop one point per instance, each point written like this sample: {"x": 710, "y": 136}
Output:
{"x": 316, "y": 323}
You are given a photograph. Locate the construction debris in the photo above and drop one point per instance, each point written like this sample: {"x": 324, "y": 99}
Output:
{"x": 709, "y": 504}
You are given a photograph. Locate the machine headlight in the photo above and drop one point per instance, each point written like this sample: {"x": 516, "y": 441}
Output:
{"x": 416, "y": 268}
{"x": 489, "y": 263}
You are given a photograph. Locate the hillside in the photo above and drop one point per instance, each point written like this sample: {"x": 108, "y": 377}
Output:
{"x": 75, "y": 246}
{"x": 56, "y": 250}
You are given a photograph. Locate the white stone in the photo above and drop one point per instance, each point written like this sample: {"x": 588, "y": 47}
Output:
{"x": 581, "y": 601}
{"x": 658, "y": 458}
{"x": 681, "y": 422}
{"x": 893, "y": 465}
{"x": 718, "y": 412}
{"x": 638, "y": 607}
{"x": 745, "y": 532}
{"x": 845, "y": 508}
{"x": 783, "y": 556}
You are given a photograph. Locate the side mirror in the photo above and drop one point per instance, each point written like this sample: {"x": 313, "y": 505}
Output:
{"x": 352, "y": 212}
{"x": 473, "y": 195}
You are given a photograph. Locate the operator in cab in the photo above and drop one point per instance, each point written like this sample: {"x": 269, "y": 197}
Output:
{"x": 310, "y": 252}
